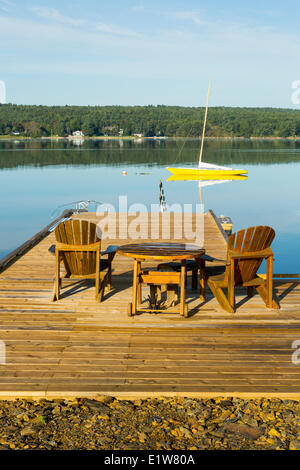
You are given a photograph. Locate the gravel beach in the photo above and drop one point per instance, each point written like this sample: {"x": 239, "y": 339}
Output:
{"x": 150, "y": 424}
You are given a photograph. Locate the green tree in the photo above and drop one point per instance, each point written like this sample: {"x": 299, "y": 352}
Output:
{"x": 60, "y": 128}
{"x": 32, "y": 129}
{"x": 88, "y": 127}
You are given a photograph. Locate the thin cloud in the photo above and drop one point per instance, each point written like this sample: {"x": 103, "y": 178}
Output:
{"x": 6, "y": 5}
{"x": 189, "y": 15}
{"x": 116, "y": 30}
{"x": 138, "y": 8}
{"x": 7, "y": 2}
{"x": 54, "y": 15}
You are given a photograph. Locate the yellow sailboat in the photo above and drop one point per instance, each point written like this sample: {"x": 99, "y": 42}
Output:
{"x": 205, "y": 170}
{"x": 207, "y": 176}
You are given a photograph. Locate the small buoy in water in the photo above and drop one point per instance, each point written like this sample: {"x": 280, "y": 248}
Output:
{"x": 124, "y": 172}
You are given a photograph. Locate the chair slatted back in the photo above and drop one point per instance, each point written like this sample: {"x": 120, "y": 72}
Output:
{"x": 78, "y": 232}
{"x": 244, "y": 241}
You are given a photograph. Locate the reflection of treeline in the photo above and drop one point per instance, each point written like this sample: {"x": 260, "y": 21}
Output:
{"x": 160, "y": 120}
{"x": 149, "y": 152}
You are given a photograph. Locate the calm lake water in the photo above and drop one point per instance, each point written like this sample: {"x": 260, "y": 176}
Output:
{"x": 38, "y": 176}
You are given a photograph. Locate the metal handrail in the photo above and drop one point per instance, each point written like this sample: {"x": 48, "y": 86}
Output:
{"x": 5, "y": 262}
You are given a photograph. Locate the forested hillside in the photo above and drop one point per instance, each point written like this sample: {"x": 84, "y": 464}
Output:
{"x": 36, "y": 121}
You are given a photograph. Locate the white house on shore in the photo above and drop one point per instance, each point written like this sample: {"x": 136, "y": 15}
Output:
{"x": 77, "y": 134}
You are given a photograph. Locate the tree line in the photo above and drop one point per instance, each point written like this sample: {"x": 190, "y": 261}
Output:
{"x": 149, "y": 121}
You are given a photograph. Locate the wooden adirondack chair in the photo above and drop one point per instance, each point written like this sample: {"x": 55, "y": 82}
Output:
{"x": 78, "y": 248}
{"x": 245, "y": 253}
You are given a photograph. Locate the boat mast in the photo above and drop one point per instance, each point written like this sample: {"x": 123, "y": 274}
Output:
{"x": 204, "y": 124}
{"x": 202, "y": 143}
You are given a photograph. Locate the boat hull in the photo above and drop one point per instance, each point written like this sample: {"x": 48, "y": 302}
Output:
{"x": 216, "y": 178}
{"x": 209, "y": 173}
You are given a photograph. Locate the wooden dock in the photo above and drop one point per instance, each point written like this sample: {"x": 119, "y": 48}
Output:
{"x": 80, "y": 347}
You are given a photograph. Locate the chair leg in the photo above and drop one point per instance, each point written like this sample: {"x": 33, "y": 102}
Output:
{"x": 97, "y": 274}
{"x": 250, "y": 291}
{"x": 221, "y": 297}
{"x": 263, "y": 292}
{"x": 269, "y": 281}
{"x": 57, "y": 282}
{"x": 230, "y": 286}
{"x": 266, "y": 290}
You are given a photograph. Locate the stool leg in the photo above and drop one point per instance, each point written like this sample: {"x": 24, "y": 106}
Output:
{"x": 172, "y": 295}
{"x": 135, "y": 286}
{"x": 182, "y": 287}
{"x": 195, "y": 278}
{"x": 158, "y": 293}
{"x": 153, "y": 290}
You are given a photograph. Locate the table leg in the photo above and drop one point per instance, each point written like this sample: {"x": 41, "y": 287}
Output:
{"x": 134, "y": 287}
{"x": 182, "y": 287}
{"x": 201, "y": 265}
{"x": 139, "y": 285}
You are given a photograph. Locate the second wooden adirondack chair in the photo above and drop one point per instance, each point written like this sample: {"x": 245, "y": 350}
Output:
{"x": 78, "y": 248}
{"x": 246, "y": 251}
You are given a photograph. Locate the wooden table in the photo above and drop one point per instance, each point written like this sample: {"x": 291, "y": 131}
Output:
{"x": 161, "y": 252}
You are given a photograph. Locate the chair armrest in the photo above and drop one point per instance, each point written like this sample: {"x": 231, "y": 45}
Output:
{"x": 110, "y": 250}
{"x": 211, "y": 259}
{"x": 66, "y": 247}
{"x": 250, "y": 254}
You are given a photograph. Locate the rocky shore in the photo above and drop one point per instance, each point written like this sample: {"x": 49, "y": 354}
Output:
{"x": 149, "y": 424}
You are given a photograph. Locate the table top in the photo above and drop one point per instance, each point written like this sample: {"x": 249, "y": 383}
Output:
{"x": 161, "y": 251}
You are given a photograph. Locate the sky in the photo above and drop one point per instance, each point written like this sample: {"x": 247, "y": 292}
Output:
{"x": 140, "y": 52}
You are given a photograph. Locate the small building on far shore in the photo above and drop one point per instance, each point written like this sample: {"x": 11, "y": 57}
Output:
{"x": 77, "y": 134}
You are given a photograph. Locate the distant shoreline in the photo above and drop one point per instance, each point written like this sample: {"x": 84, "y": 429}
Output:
{"x": 101, "y": 137}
